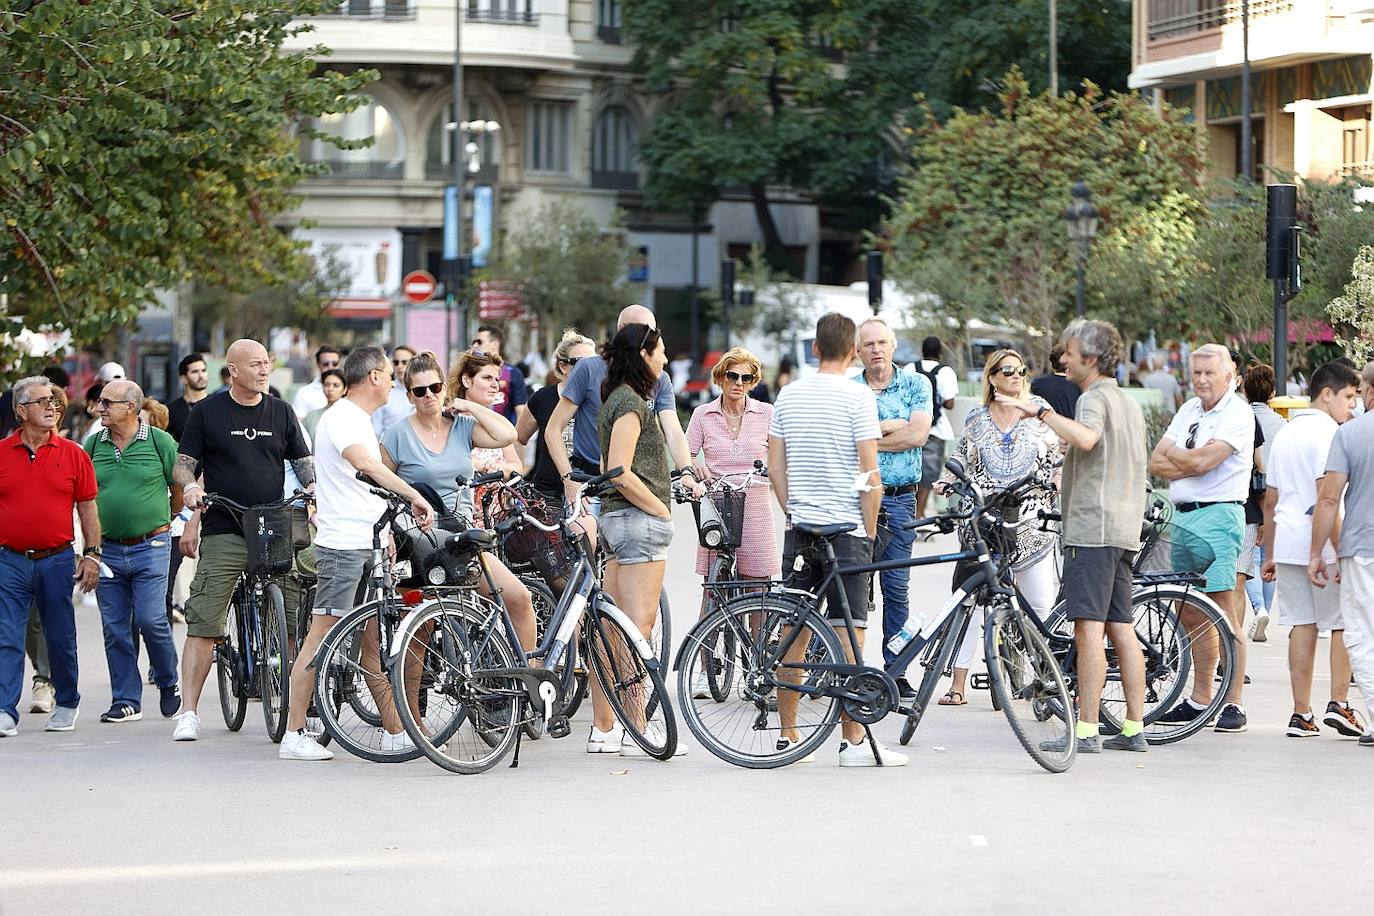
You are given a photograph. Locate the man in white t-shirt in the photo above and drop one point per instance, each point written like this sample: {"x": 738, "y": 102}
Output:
{"x": 345, "y": 512}
{"x": 944, "y": 383}
{"x": 1207, "y": 455}
{"x": 311, "y": 395}
{"x": 823, "y": 465}
{"x": 1297, "y": 461}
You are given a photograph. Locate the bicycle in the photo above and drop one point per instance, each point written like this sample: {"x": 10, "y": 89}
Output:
{"x": 482, "y": 682}
{"x": 1024, "y": 672}
{"x": 254, "y": 657}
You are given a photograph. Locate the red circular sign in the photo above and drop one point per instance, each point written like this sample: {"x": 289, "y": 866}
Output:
{"x": 418, "y": 286}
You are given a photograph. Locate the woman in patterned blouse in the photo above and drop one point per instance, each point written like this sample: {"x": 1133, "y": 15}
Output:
{"x": 999, "y": 447}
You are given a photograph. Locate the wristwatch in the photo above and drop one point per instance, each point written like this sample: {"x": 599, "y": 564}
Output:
{"x": 93, "y": 552}
{"x": 1044, "y": 409}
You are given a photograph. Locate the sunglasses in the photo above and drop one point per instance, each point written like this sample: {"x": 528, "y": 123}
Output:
{"x": 434, "y": 389}
{"x": 1192, "y": 435}
{"x": 571, "y": 360}
{"x": 746, "y": 378}
{"x": 107, "y": 403}
{"x": 330, "y": 364}
{"x": 1009, "y": 371}
{"x": 47, "y": 402}
{"x": 399, "y": 362}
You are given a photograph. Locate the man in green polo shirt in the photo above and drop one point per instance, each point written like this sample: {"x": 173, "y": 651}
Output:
{"x": 133, "y": 468}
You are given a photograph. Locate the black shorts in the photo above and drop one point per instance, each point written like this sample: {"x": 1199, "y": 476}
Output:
{"x": 849, "y": 551}
{"x": 1098, "y": 584}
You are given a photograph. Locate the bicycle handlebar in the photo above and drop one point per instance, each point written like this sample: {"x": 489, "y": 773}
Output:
{"x": 210, "y": 499}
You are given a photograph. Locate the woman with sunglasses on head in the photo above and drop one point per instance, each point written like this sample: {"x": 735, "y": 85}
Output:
{"x": 476, "y": 379}
{"x": 573, "y": 348}
{"x": 726, "y": 436}
{"x": 433, "y": 448}
{"x": 1000, "y": 446}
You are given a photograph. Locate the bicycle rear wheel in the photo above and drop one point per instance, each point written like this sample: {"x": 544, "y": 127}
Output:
{"x": 746, "y": 729}
{"x": 463, "y": 719}
{"x": 351, "y": 686}
{"x": 229, "y": 669}
{"x": 274, "y": 663}
{"x": 1026, "y": 680}
{"x": 634, "y": 686}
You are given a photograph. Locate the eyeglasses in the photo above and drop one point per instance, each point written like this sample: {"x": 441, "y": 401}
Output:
{"x": 571, "y": 360}
{"x": 106, "y": 403}
{"x": 434, "y": 389}
{"x": 477, "y": 352}
{"x": 389, "y": 375}
{"x": 47, "y": 402}
{"x": 746, "y": 378}
{"x": 1192, "y": 435}
{"x": 1009, "y": 371}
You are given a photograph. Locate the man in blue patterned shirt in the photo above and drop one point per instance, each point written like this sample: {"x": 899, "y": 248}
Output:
{"x": 904, "y": 417}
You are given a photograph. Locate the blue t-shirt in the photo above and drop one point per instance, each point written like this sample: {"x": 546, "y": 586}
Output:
{"x": 908, "y": 391}
{"x": 417, "y": 464}
{"x": 583, "y": 388}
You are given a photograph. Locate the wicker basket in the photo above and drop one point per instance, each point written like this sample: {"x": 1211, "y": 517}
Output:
{"x": 720, "y": 520}
{"x": 273, "y": 535}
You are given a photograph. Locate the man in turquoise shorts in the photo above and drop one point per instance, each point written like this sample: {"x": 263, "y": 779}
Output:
{"x": 1207, "y": 456}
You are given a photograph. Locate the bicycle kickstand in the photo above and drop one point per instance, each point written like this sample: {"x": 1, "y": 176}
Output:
{"x": 519, "y": 736}
{"x": 873, "y": 745}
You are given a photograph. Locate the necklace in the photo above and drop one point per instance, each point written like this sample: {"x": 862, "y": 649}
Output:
{"x": 434, "y": 434}
{"x": 733, "y": 425}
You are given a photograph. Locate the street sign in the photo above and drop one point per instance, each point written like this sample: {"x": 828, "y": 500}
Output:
{"x": 418, "y": 286}
{"x": 500, "y": 300}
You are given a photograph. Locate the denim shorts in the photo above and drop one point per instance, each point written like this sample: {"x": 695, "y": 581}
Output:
{"x": 342, "y": 581}
{"x": 634, "y": 536}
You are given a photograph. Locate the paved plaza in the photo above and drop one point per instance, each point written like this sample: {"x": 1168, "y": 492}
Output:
{"x": 118, "y": 818}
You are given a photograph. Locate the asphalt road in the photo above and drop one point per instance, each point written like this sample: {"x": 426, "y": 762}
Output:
{"x": 118, "y": 818}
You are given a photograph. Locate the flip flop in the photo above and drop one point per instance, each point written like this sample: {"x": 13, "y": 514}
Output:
{"x": 948, "y": 699}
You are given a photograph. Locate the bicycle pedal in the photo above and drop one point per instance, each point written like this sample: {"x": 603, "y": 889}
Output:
{"x": 558, "y": 727}
{"x": 980, "y": 681}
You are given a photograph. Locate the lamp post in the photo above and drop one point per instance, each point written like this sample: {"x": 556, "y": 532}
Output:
{"x": 1081, "y": 220}
{"x": 466, "y": 161}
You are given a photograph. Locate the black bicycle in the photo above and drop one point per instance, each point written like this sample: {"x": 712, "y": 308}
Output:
{"x": 784, "y": 645}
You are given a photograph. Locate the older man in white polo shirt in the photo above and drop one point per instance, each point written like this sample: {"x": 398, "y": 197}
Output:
{"x": 1207, "y": 455}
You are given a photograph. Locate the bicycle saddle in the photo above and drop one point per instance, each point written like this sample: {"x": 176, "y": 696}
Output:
{"x": 824, "y": 531}
{"x": 470, "y": 541}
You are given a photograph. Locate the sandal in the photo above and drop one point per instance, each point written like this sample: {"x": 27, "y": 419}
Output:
{"x": 948, "y": 699}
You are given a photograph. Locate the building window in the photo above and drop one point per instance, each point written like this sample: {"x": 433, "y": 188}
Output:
{"x": 615, "y": 150}
{"x": 1177, "y": 18}
{"x": 548, "y": 134}
{"x": 608, "y": 21}
{"x": 385, "y": 158}
{"x": 439, "y": 155}
{"x": 375, "y": 9}
{"x": 510, "y": 12}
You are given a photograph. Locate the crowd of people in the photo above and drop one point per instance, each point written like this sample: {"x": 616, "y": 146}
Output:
{"x": 115, "y": 505}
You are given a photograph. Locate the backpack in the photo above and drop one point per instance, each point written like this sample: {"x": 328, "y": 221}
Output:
{"x": 937, "y": 406}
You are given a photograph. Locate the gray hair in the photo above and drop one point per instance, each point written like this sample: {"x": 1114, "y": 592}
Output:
{"x": 24, "y": 384}
{"x": 1216, "y": 352}
{"x": 361, "y": 361}
{"x": 891, "y": 334}
{"x": 1095, "y": 339}
{"x": 132, "y": 391}
{"x": 1367, "y": 375}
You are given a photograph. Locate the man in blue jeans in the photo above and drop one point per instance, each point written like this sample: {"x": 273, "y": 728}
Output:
{"x": 904, "y": 418}
{"x": 48, "y": 476}
{"x": 133, "y": 467}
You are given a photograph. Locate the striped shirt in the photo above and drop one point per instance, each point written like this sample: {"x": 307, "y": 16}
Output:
{"x": 821, "y": 419}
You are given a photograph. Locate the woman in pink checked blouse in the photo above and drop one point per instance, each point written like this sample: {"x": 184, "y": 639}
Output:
{"x": 726, "y": 436}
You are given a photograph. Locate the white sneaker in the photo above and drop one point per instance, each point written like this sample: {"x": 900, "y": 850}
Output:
{"x": 188, "y": 726}
{"x": 700, "y": 689}
{"x": 300, "y": 746}
{"x": 861, "y": 755}
{"x": 785, "y": 744}
{"x": 395, "y": 744}
{"x": 1260, "y": 625}
{"x": 8, "y": 727}
{"x": 599, "y": 742}
{"x": 628, "y": 748}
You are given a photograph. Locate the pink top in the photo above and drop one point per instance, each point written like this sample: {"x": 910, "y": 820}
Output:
{"x": 708, "y": 435}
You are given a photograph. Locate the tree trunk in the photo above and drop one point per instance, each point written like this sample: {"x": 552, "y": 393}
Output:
{"x": 773, "y": 249}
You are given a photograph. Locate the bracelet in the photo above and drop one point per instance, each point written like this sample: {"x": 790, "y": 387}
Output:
{"x": 1044, "y": 409}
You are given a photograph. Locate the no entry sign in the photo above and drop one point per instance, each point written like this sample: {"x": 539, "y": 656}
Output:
{"x": 418, "y": 286}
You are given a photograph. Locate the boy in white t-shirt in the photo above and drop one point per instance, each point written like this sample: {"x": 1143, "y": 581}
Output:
{"x": 1297, "y": 461}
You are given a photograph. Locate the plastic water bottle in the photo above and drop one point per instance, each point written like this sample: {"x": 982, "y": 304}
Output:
{"x": 909, "y": 631}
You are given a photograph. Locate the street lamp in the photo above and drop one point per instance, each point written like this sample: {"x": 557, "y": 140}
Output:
{"x": 1081, "y": 220}
{"x": 474, "y": 130}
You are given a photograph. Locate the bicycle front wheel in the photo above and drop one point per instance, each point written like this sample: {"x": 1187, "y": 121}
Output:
{"x": 463, "y": 718}
{"x": 720, "y": 671}
{"x": 633, "y": 685}
{"x": 1026, "y": 680}
{"x": 274, "y": 664}
{"x": 747, "y": 728}
{"x": 229, "y": 669}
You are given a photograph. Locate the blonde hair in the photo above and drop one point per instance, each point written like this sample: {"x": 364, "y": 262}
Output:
{"x": 991, "y": 366}
{"x": 571, "y": 338}
{"x": 1216, "y": 352}
{"x": 158, "y": 414}
{"x": 734, "y": 356}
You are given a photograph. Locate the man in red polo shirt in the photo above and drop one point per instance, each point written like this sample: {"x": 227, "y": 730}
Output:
{"x": 45, "y": 476}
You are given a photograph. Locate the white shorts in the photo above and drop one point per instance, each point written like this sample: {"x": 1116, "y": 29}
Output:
{"x": 1357, "y": 608}
{"x": 1300, "y": 603}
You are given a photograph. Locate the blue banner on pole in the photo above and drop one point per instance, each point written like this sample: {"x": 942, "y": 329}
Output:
{"x": 483, "y": 206}
{"x": 451, "y": 223}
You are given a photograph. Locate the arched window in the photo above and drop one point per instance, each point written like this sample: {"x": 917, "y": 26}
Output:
{"x": 439, "y": 155}
{"x": 385, "y": 158}
{"x": 615, "y": 150}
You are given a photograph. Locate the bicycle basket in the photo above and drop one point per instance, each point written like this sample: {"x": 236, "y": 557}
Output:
{"x": 272, "y": 536}
{"x": 720, "y": 519}
{"x": 548, "y": 552}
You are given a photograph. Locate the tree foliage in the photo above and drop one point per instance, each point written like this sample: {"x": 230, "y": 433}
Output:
{"x": 1352, "y": 313}
{"x": 571, "y": 271}
{"x": 980, "y": 206}
{"x": 145, "y": 143}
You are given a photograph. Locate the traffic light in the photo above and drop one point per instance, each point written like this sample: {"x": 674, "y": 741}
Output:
{"x": 875, "y": 279}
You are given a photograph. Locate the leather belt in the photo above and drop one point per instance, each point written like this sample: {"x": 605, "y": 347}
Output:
{"x": 1193, "y": 507}
{"x": 40, "y": 554}
{"x": 139, "y": 539}
{"x": 900, "y": 491}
